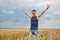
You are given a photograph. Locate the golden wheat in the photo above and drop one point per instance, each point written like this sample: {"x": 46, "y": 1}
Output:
{"x": 23, "y": 34}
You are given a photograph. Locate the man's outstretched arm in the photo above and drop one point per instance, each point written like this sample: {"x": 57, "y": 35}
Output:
{"x": 26, "y": 13}
{"x": 48, "y": 6}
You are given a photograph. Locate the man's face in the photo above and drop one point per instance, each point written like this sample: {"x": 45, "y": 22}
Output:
{"x": 34, "y": 13}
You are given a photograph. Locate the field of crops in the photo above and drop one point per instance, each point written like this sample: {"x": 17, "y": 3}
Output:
{"x": 23, "y": 34}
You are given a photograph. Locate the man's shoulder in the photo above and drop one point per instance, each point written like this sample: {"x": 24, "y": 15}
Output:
{"x": 37, "y": 17}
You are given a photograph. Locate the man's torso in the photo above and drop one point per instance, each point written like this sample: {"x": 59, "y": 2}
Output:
{"x": 34, "y": 23}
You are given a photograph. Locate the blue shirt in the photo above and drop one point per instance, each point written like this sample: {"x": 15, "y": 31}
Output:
{"x": 34, "y": 23}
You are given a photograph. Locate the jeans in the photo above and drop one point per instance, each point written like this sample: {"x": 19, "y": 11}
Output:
{"x": 33, "y": 32}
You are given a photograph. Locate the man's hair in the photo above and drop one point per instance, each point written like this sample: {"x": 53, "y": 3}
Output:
{"x": 33, "y": 10}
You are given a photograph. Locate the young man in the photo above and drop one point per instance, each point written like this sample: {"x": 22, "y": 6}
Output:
{"x": 34, "y": 20}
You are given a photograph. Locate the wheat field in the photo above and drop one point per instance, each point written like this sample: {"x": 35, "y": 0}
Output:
{"x": 23, "y": 34}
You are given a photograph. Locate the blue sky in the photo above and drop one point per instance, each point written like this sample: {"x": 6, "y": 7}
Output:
{"x": 12, "y": 16}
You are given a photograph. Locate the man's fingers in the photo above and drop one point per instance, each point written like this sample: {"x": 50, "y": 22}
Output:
{"x": 48, "y": 6}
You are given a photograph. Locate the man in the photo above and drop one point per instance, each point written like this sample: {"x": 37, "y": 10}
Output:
{"x": 34, "y": 20}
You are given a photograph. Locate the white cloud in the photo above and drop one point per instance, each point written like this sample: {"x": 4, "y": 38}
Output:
{"x": 29, "y": 3}
{"x": 24, "y": 0}
{"x": 57, "y": 12}
{"x": 8, "y": 12}
{"x": 36, "y": 2}
{"x": 48, "y": 15}
{"x": 10, "y": 24}
{"x": 49, "y": 24}
{"x": 2, "y": 1}
{"x": 53, "y": 22}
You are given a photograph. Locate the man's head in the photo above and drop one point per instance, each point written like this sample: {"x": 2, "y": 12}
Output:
{"x": 34, "y": 12}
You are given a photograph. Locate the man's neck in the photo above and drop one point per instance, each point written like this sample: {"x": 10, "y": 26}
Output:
{"x": 34, "y": 15}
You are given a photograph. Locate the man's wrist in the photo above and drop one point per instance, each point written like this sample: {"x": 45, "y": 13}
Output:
{"x": 47, "y": 7}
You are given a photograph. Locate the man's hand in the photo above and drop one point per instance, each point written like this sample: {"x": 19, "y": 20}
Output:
{"x": 26, "y": 13}
{"x": 48, "y": 6}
